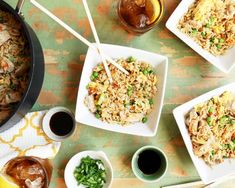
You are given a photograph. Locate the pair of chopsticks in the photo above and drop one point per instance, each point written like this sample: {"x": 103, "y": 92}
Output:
{"x": 201, "y": 184}
{"x": 103, "y": 56}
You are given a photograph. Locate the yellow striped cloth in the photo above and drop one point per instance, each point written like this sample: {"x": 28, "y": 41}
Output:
{"x": 27, "y": 138}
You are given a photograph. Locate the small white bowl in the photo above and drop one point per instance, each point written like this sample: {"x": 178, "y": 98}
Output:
{"x": 208, "y": 174}
{"x": 46, "y": 123}
{"x": 159, "y": 63}
{"x": 75, "y": 161}
{"x": 225, "y": 62}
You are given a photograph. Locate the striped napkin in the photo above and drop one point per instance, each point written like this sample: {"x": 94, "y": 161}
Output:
{"x": 27, "y": 138}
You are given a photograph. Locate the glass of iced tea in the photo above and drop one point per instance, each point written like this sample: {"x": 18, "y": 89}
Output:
{"x": 28, "y": 172}
{"x": 139, "y": 16}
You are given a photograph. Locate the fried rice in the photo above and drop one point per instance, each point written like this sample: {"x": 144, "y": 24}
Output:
{"x": 128, "y": 99}
{"x": 211, "y": 126}
{"x": 211, "y": 23}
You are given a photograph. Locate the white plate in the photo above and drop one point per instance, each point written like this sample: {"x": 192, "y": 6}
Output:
{"x": 160, "y": 64}
{"x": 224, "y": 62}
{"x": 75, "y": 161}
{"x": 208, "y": 174}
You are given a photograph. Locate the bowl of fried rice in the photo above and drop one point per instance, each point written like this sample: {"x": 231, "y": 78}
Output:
{"x": 208, "y": 27}
{"x": 207, "y": 125}
{"x": 131, "y": 103}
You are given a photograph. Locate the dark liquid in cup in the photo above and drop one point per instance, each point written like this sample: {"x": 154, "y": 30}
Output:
{"x": 149, "y": 162}
{"x": 61, "y": 123}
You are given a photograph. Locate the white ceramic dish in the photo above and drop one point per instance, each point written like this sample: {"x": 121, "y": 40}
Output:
{"x": 160, "y": 64}
{"x": 46, "y": 123}
{"x": 225, "y": 62}
{"x": 75, "y": 161}
{"x": 208, "y": 174}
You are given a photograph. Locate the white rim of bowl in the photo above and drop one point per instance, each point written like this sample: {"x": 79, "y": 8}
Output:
{"x": 46, "y": 123}
{"x": 135, "y": 155}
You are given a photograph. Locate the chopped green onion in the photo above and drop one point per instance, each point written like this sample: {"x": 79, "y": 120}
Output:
{"x": 144, "y": 119}
{"x": 234, "y": 141}
{"x": 151, "y": 101}
{"x": 212, "y": 39}
{"x": 92, "y": 78}
{"x": 213, "y": 152}
{"x": 212, "y": 19}
{"x": 101, "y": 99}
{"x": 130, "y": 59}
{"x": 90, "y": 173}
{"x": 97, "y": 115}
{"x": 98, "y": 107}
{"x": 203, "y": 34}
{"x": 194, "y": 31}
{"x": 208, "y": 25}
{"x": 129, "y": 90}
{"x": 126, "y": 105}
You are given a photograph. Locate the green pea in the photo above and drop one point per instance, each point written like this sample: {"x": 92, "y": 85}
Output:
{"x": 130, "y": 59}
{"x": 97, "y": 115}
{"x": 145, "y": 72}
{"x": 129, "y": 91}
{"x": 208, "y": 120}
{"x": 144, "y": 119}
{"x": 211, "y": 110}
{"x": 194, "y": 31}
{"x": 95, "y": 74}
{"x": 219, "y": 46}
{"x": 151, "y": 101}
{"x": 221, "y": 40}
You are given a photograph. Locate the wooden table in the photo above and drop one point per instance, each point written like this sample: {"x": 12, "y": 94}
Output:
{"x": 189, "y": 75}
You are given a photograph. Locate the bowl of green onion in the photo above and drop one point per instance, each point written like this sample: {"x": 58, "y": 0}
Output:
{"x": 89, "y": 169}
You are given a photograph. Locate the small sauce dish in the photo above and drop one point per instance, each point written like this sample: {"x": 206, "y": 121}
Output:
{"x": 59, "y": 123}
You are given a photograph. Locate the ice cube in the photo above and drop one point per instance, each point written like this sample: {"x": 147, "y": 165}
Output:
{"x": 37, "y": 183}
{"x": 140, "y": 3}
{"x": 140, "y": 21}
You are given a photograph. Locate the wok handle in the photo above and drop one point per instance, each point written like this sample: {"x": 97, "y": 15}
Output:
{"x": 19, "y": 6}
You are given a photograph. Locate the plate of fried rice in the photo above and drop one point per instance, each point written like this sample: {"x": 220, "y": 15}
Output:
{"x": 207, "y": 125}
{"x": 208, "y": 27}
{"x": 132, "y": 103}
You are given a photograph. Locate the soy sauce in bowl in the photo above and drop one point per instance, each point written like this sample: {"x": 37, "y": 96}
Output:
{"x": 149, "y": 162}
{"x": 58, "y": 123}
{"x": 61, "y": 123}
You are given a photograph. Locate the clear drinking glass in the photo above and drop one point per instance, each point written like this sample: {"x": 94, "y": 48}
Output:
{"x": 25, "y": 171}
{"x": 139, "y": 16}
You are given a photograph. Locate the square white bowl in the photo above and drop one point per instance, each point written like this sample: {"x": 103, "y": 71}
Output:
{"x": 159, "y": 63}
{"x": 224, "y": 62}
{"x": 208, "y": 174}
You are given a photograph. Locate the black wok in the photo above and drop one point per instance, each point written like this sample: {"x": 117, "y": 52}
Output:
{"x": 36, "y": 71}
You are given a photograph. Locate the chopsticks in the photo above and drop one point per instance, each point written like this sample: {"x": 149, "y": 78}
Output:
{"x": 97, "y": 40}
{"x": 80, "y": 37}
{"x": 201, "y": 184}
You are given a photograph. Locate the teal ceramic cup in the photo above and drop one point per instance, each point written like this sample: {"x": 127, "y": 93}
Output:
{"x": 161, "y": 159}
